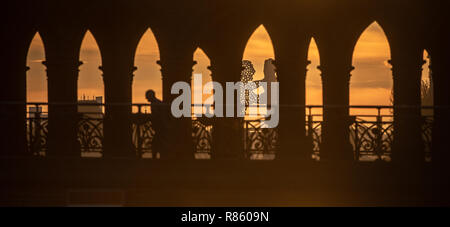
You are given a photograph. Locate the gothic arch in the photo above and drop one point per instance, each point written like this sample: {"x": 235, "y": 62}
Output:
{"x": 89, "y": 75}
{"x": 260, "y": 30}
{"x": 427, "y": 86}
{"x": 377, "y": 74}
{"x": 313, "y": 75}
{"x": 383, "y": 26}
{"x": 257, "y": 50}
{"x": 148, "y": 73}
{"x": 202, "y": 65}
{"x": 36, "y": 76}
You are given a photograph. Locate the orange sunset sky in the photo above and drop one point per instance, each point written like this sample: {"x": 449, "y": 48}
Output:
{"x": 371, "y": 81}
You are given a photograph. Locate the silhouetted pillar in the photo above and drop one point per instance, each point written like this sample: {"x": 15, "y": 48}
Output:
{"x": 13, "y": 109}
{"x": 407, "y": 72}
{"x": 118, "y": 79}
{"x": 336, "y": 120}
{"x": 440, "y": 155}
{"x": 227, "y": 132}
{"x": 17, "y": 32}
{"x": 441, "y": 84}
{"x": 291, "y": 72}
{"x": 177, "y": 68}
{"x": 62, "y": 75}
{"x": 118, "y": 35}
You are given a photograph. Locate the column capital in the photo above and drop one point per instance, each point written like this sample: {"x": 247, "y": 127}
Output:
{"x": 210, "y": 68}
{"x": 106, "y": 71}
{"x": 62, "y": 63}
{"x": 284, "y": 69}
{"x": 281, "y": 63}
{"x": 132, "y": 69}
{"x": 171, "y": 61}
{"x": 343, "y": 70}
{"x": 324, "y": 68}
{"x": 175, "y": 68}
{"x": 308, "y": 62}
{"x": 405, "y": 62}
{"x": 56, "y": 68}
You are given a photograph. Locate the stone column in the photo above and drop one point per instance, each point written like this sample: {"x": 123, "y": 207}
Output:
{"x": 441, "y": 126}
{"x": 177, "y": 68}
{"x": 227, "y": 132}
{"x": 13, "y": 110}
{"x": 118, "y": 78}
{"x": 13, "y": 82}
{"x": 118, "y": 36}
{"x": 62, "y": 75}
{"x": 407, "y": 72}
{"x": 291, "y": 74}
{"x": 336, "y": 120}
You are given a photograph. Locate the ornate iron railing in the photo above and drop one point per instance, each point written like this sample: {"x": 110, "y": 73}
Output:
{"x": 372, "y": 139}
{"x": 90, "y": 135}
{"x": 260, "y": 143}
{"x": 427, "y": 136}
{"x": 314, "y": 134}
{"x": 37, "y": 132}
{"x": 142, "y": 135}
{"x": 202, "y": 138}
{"x": 371, "y": 135}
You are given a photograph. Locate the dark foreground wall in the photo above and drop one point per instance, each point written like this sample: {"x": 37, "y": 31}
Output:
{"x": 214, "y": 183}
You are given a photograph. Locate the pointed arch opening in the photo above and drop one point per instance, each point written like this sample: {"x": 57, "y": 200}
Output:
{"x": 371, "y": 81}
{"x": 313, "y": 90}
{"x": 427, "y": 102}
{"x": 258, "y": 64}
{"x": 258, "y": 67}
{"x": 201, "y": 76}
{"x": 90, "y": 98}
{"x": 313, "y": 77}
{"x": 371, "y": 84}
{"x": 90, "y": 81}
{"x": 148, "y": 74}
{"x": 259, "y": 48}
{"x": 36, "y": 76}
{"x": 36, "y": 81}
{"x": 427, "y": 87}
{"x": 36, "y": 93}
{"x": 200, "y": 71}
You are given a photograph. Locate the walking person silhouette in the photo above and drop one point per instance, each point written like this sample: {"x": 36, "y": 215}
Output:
{"x": 161, "y": 124}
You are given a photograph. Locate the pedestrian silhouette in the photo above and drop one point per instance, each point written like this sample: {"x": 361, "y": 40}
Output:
{"x": 160, "y": 116}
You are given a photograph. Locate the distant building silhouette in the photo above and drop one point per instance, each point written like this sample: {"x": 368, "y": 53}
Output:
{"x": 33, "y": 112}
{"x": 91, "y": 107}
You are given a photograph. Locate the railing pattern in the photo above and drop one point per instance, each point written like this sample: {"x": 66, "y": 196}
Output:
{"x": 370, "y": 135}
{"x": 260, "y": 143}
{"x": 314, "y": 133}
{"x": 37, "y": 131}
{"x": 90, "y": 135}
{"x": 202, "y": 138}
{"x": 372, "y": 139}
{"x": 427, "y": 134}
{"x": 142, "y": 135}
